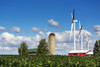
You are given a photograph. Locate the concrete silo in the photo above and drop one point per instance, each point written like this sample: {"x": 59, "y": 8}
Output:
{"x": 51, "y": 43}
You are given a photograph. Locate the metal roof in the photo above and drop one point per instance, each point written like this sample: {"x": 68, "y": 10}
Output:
{"x": 90, "y": 52}
{"x": 32, "y": 50}
{"x": 79, "y": 51}
{"x": 52, "y": 34}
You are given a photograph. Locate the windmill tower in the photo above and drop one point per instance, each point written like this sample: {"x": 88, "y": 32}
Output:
{"x": 51, "y": 42}
{"x": 81, "y": 34}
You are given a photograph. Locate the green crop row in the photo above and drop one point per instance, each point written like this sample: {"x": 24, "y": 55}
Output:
{"x": 48, "y": 61}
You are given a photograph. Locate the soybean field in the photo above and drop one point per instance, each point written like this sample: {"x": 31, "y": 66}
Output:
{"x": 48, "y": 61}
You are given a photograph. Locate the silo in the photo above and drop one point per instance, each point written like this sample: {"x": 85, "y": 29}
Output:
{"x": 51, "y": 43}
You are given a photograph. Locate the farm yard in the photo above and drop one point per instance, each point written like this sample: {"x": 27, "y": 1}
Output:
{"x": 48, "y": 61}
{"x": 49, "y": 33}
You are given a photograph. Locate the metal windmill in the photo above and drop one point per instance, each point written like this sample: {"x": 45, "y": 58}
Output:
{"x": 73, "y": 27}
{"x": 81, "y": 34}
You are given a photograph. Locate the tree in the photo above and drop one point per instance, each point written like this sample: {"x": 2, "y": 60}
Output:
{"x": 42, "y": 47}
{"x": 96, "y": 50}
{"x": 23, "y": 50}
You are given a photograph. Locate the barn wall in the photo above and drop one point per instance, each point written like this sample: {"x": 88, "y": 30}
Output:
{"x": 76, "y": 54}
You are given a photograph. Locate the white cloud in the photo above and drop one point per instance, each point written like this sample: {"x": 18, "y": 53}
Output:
{"x": 96, "y": 28}
{"x": 64, "y": 44}
{"x": 41, "y": 33}
{"x": 10, "y": 42}
{"x": 15, "y": 29}
{"x": 63, "y": 48}
{"x": 45, "y": 30}
{"x": 53, "y": 23}
{"x": 65, "y": 36}
{"x": 35, "y": 29}
{"x": 6, "y": 48}
{"x": 48, "y": 33}
{"x": 2, "y": 28}
{"x": 97, "y": 34}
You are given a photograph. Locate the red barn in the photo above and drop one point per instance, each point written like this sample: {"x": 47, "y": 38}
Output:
{"x": 89, "y": 53}
{"x": 80, "y": 53}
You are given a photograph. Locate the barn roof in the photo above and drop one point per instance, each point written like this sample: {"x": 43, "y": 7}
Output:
{"x": 78, "y": 51}
{"x": 90, "y": 52}
{"x": 32, "y": 50}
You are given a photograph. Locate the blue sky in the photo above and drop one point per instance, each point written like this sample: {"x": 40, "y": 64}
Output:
{"x": 29, "y": 13}
{"x": 26, "y": 14}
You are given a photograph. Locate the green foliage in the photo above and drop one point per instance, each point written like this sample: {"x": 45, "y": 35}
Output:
{"x": 48, "y": 61}
{"x": 42, "y": 48}
{"x": 23, "y": 50}
{"x": 19, "y": 51}
{"x": 96, "y": 50}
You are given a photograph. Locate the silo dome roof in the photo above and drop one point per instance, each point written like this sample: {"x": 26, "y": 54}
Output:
{"x": 52, "y": 34}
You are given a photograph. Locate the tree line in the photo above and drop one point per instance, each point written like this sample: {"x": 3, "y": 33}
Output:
{"x": 96, "y": 50}
{"x": 43, "y": 48}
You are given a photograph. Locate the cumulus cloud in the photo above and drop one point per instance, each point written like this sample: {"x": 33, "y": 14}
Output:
{"x": 10, "y": 42}
{"x": 15, "y": 29}
{"x": 63, "y": 48}
{"x": 96, "y": 28}
{"x": 4, "y": 48}
{"x": 97, "y": 34}
{"x": 2, "y": 28}
{"x": 53, "y": 23}
{"x": 64, "y": 44}
{"x": 45, "y": 30}
{"x": 35, "y": 29}
{"x": 41, "y": 33}
{"x": 65, "y": 36}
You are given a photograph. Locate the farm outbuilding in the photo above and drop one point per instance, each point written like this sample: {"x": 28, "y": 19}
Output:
{"x": 80, "y": 53}
{"x": 32, "y": 51}
{"x": 89, "y": 53}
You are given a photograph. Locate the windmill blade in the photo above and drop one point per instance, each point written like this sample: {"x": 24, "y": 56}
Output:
{"x": 80, "y": 30}
{"x": 73, "y": 16}
{"x": 71, "y": 30}
{"x": 79, "y": 25}
{"x": 79, "y": 37}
